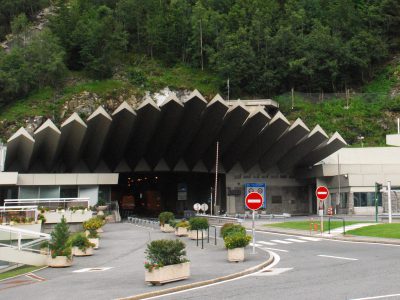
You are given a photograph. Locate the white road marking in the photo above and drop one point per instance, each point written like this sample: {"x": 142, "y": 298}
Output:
{"x": 338, "y": 257}
{"x": 92, "y": 270}
{"x": 377, "y": 297}
{"x": 274, "y": 249}
{"x": 296, "y": 240}
{"x": 273, "y": 272}
{"x": 312, "y": 239}
{"x": 281, "y": 242}
{"x": 267, "y": 243}
{"x": 257, "y": 245}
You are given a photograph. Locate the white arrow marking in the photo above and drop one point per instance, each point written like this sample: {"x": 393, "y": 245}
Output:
{"x": 273, "y": 272}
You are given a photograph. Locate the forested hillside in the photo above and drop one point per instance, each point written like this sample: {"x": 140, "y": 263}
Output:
{"x": 265, "y": 48}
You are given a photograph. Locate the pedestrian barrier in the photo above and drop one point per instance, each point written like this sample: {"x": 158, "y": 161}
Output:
{"x": 344, "y": 224}
{"x": 153, "y": 224}
{"x": 314, "y": 226}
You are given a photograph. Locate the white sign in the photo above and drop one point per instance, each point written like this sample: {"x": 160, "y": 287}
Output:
{"x": 197, "y": 207}
{"x": 321, "y": 212}
{"x": 204, "y": 207}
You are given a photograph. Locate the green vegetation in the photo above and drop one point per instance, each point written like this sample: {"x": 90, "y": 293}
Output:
{"x": 58, "y": 244}
{"x": 305, "y": 225}
{"x": 379, "y": 230}
{"x": 165, "y": 216}
{"x": 198, "y": 223}
{"x": 230, "y": 228}
{"x": 236, "y": 240}
{"x": 18, "y": 271}
{"x": 160, "y": 253}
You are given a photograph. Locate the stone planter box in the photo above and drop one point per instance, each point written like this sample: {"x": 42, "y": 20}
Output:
{"x": 96, "y": 242}
{"x": 236, "y": 254}
{"x": 79, "y": 216}
{"x": 193, "y": 234}
{"x": 168, "y": 228}
{"x": 168, "y": 273}
{"x": 181, "y": 231}
{"x": 59, "y": 262}
{"x": 78, "y": 252}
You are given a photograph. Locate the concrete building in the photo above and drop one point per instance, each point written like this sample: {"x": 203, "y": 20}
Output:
{"x": 163, "y": 157}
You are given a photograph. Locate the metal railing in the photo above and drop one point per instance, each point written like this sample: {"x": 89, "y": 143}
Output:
{"x": 27, "y": 211}
{"x": 17, "y": 234}
{"x": 329, "y": 224}
{"x": 52, "y": 203}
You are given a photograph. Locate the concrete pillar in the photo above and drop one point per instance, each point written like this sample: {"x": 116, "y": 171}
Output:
{"x": 351, "y": 203}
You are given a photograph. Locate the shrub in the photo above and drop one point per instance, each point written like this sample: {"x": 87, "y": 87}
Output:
{"x": 41, "y": 217}
{"x": 160, "y": 253}
{"x": 237, "y": 240}
{"x": 93, "y": 234}
{"x": 165, "y": 216}
{"x": 230, "y": 228}
{"x": 58, "y": 244}
{"x": 172, "y": 222}
{"x": 81, "y": 241}
{"x": 183, "y": 224}
{"x": 198, "y": 223}
{"x": 93, "y": 223}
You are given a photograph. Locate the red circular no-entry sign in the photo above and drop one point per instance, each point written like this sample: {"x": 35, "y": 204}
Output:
{"x": 254, "y": 201}
{"x": 322, "y": 192}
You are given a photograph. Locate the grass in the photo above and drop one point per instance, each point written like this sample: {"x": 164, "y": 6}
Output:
{"x": 380, "y": 230}
{"x": 305, "y": 225}
{"x": 18, "y": 271}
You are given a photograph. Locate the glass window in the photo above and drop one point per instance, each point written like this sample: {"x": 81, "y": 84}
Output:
{"x": 49, "y": 192}
{"x": 28, "y": 192}
{"x": 365, "y": 199}
{"x": 69, "y": 192}
{"x": 104, "y": 193}
{"x": 343, "y": 200}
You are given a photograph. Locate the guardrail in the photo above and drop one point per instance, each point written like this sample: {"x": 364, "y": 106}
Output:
{"x": 144, "y": 222}
{"x": 219, "y": 220}
{"x": 34, "y": 236}
{"x": 52, "y": 203}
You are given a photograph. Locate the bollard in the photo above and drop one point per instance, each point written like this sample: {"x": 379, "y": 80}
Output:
{"x": 202, "y": 240}
{"x": 197, "y": 240}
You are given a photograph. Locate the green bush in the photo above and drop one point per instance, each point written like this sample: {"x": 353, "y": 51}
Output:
{"x": 172, "y": 223}
{"x": 198, "y": 223}
{"x": 81, "y": 241}
{"x": 237, "y": 240}
{"x": 183, "y": 224}
{"x": 59, "y": 244}
{"x": 93, "y": 223}
{"x": 165, "y": 216}
{"x": 230, "y": 228}
{"x": 161, "y": 253}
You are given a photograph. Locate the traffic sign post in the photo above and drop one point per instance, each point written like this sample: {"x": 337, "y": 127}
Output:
{"x": 254, "y": 201}
{"x": 322, "y": 194}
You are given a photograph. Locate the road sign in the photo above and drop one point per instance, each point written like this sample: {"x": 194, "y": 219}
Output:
{"x": 254, "y": 201}
{"x": 204, "y": 207}
{"x": 322, "y": 192}
{"x": 197, "y": 207}
{"x": 257, "y": 187}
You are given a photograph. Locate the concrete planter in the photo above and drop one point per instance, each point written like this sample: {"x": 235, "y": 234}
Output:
{"x": 59, "y": 262}
{"x": 162, "y": 228}
{"x": 181, "y": 231}
{"x": 53, "y": 217}
{"x": 236, "y": 254}
{"x": 78, "y": 252}
{"x": 168, "y": 273}
{"x": 168, "y": 228}
{"x": 100, "y": 230}
{"x": 96, "y": 242}
{"x": 193, "y": 234}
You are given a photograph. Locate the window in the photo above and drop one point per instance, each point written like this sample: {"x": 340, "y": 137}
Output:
{"x": 276, "y": 199}
{"x": 104, "y": 193}
{"x": 69, "y": 192}
{"x": 49, "y": 192}
{"x": 343, "y": 200}
{"x": 366, "y": 199}
{"x": 28, "y": 192}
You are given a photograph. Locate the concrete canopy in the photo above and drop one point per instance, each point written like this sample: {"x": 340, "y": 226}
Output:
{"x": 178, "y": 135}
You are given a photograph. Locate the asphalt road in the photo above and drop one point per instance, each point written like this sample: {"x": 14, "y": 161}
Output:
{"x": 319, "y": 269}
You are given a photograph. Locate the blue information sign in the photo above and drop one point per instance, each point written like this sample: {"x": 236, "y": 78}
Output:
{"x": 257, "y": 188}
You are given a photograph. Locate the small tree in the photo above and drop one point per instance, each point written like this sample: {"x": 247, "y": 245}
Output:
{"x": 58, "y": 244}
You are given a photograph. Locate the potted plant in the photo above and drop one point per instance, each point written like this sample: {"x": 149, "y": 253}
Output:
{"x": 91, "y": 226}
{"x": 93, "y": 237}
{"x": 181, "y": 228}
{"x": 164, "y": 218}
{"x": 101, "y": 207}
{"x": 166, "y": 262}
{"x": 235, "y": 244}
{"x": 60, "y": 250}
{"x": 229, "y": 228}
{"x": 198, "y": 228}
{"x": 81, "y": 246}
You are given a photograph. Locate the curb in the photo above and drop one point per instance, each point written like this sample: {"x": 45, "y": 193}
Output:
{"x": 201, "y": 283}
{"x": 338, "y": 238}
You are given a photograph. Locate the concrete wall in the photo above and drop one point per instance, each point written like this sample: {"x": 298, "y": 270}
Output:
{"x": 294, "y": 193}
{"x": 68, "y": 179}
